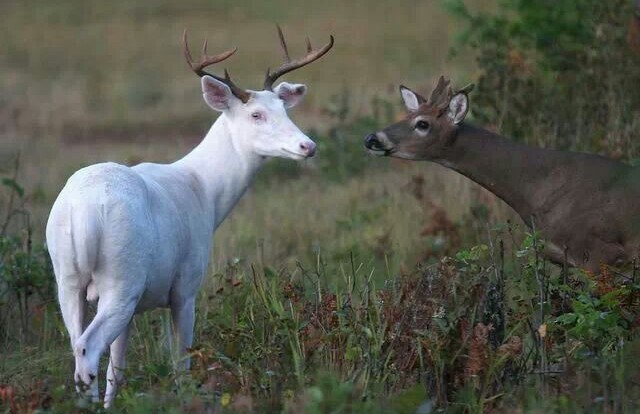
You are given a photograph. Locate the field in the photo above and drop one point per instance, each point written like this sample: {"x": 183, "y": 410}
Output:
{"x": 343, "y": 283}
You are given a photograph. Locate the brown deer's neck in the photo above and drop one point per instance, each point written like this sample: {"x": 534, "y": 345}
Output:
{"x": 512, "y": 171}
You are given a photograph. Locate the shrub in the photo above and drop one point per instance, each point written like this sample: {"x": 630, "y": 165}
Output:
{"x": 558, "y": 74}
{"x": 26, "y": 277}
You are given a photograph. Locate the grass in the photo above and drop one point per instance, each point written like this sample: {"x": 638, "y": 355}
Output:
{"x": 72, "y": 68}
{"x": 476, "y": 332}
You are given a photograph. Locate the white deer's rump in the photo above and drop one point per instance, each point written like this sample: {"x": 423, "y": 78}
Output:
{"x": 102, "y": 229}
{"x": 81, "y": 214}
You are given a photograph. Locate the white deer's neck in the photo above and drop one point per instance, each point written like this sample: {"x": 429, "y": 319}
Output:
{"x": 224, "y": 170}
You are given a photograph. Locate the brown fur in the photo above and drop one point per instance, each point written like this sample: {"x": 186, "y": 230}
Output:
{"x": 585, "y": 206}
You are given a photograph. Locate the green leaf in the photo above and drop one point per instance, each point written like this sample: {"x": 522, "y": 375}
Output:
{"x": 567, "y": 319}
{"x": 13, "y": 185}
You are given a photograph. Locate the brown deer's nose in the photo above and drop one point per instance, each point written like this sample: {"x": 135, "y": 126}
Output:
{"x": 373, "y": 143}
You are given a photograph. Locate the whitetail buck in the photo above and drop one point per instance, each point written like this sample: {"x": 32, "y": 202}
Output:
{"x": 585, "y": 206}
{"x": 141, "y": 237}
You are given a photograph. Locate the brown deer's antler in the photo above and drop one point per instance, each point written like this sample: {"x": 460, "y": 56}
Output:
{"x": 290, "y": 65}
{"x": 208, "y": 60}
{"x": 441, "y": 95}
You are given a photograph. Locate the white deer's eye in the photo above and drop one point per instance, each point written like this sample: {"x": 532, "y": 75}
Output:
{"x": 257, "y": 116}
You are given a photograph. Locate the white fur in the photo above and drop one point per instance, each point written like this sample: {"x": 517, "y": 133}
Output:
{"x": 458, "y": 107}
{"x": 290, "y": 94}
{"x": 410, "y": 99}
{"x": 141, "y": 237}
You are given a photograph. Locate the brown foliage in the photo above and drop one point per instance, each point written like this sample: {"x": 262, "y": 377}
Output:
{"x": 633, "y": 34}
{"x": 407, "y": 312}
{"x": 604, "y": 281}
{"x": 322, "y": 318}
{"x": 512, "y": 348}
{"x": 8, "y": 397}
{"x": 478, "y": 350}
{"x": 35, "y": 399}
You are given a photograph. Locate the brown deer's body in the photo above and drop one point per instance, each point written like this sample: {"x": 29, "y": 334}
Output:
{"x": 585, "y": 206}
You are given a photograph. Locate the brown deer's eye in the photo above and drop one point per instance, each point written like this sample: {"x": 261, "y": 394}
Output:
{"x": 422, "y": 125}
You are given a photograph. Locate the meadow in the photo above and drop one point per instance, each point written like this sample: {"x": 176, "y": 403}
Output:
{"x": 346, "y": 282}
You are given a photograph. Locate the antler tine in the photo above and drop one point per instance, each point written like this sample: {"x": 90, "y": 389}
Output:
{"x": 438, "y": 97}
{"x": 283, "y": 44}
{"x": 208, "y": 60}
{"x": 186, "y": 50}
{"x": 205, "y": 60}
{"x": 290, "y": 65}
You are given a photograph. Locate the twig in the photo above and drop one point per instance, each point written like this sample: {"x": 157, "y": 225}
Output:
{"x": 11, "y": 211}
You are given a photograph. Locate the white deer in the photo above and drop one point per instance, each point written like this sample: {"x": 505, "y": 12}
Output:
{"x": 138, "y": 238}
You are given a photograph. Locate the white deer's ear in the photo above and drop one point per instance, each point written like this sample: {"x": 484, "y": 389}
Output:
{"x": 291, "y": 94}
{"x": 216, "y": 94}
{"x": 411, "y": 99}
{"x": 458, "y": 107}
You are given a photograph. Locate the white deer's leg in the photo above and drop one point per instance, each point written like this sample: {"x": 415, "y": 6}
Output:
{"x": 73, "y": 306}
{"x": 117, "y": 363}
{"x": 183, "y": 317}
{"x": 115, "y": 310}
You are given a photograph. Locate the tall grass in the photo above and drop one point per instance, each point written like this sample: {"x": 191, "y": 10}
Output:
{"x": 484, "y": 330}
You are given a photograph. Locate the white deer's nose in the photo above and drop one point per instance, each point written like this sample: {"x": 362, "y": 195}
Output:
{"x": 308, "y": 148}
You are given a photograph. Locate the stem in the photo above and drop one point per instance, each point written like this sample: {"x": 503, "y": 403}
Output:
{"x": 12, "y": 194}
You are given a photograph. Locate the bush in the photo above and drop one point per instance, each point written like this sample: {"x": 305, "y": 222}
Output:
{"x": 26, "y": 277}
{"x": 558, "y": 74}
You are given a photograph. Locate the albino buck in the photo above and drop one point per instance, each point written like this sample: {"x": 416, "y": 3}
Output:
{"x": 139, "y": 238}
{"x": 587, "y": 207}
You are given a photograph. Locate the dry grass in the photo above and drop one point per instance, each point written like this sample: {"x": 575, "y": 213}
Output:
{"x": 76, "y": 66}
{"x": 89, "y": 81}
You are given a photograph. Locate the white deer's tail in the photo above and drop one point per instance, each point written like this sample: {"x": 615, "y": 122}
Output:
{"x": 85, "y": 234}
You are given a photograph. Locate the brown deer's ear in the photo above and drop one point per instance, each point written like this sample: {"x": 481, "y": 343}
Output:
{"x": 412, "y": 100}
{"x": 458, "y": 107}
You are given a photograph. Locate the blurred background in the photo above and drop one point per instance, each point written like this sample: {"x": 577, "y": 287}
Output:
{"x": 90, "y": 81}
{"x": 86, "y": 81}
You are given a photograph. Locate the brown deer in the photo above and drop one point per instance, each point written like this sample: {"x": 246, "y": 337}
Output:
{"x": 585, "y": 206}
